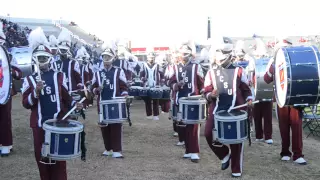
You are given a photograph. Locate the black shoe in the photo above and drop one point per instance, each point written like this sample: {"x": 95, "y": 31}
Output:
{"x": 225, "y": 165}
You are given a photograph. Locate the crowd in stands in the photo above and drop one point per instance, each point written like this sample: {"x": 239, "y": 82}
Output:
{"x": 15, "y": 35}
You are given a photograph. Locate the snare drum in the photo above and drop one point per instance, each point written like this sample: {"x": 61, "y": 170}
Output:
{"x": 192, "y": 111}
{"x": 143, "y": 91}
{"x": 113, "y": 111}
{"x": 262, "y": 90}
{"x": 297, "y": 76}
{"x": 134, "y": 91}
{"x": 173, "y": 111}
{"x": 230, "y": 128}
{"x": 166, "y": 92}
{"x": 156, "y": 93}
{"x": 62, "y": 140}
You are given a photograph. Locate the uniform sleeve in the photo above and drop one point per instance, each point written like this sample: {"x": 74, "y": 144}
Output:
{"x": 77, "y": 75}
{"x": 244, "y": 85}
{"x": 172, "y": 82}
{"x": 142, "y": 72}
{"x": 16, "y": 73}
{"x": 123, "y": 83}
{"x": 95, "y": 83}
{"x": 268, "y": 76}
{"x": 29, "y": 96}
{"x": 200, "y": 78}
{"x": 208, "y": 84}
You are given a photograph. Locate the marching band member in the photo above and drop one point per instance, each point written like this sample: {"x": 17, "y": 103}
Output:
{"x": 263, "y": 109}
{"x": 289, "y": 117}
{"x": 69, "y": 67}
{"x": 223, "y": 97}
{"x": 52, "y": 104}
{"x": 5, "y": 110}
{"x": 84, "y": 71}
{"x": 161, "y": 59}
{"x": 176, "y": 74}
{"x": 151, "y": 76}
{"x": 54, "y": 48}
{"x": 110, "y": 82}
{"x": 121, "y": 61}
{"x": 190, "y": 83}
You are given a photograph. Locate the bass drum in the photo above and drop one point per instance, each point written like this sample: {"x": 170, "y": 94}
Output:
{"x": 5, "y": 76}
{"x": 262, "y": 90}
{"x": 22, "y": 58}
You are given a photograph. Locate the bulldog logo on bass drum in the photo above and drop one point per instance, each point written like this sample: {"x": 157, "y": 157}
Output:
{"x": 281, "y": 75}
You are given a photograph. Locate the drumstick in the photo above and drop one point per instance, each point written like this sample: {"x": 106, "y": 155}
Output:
{"x": 39, "y": 75}
{"x": 240, "y": 106}
{"x": 76, "y": 90}
{"x": 74, "y": 108}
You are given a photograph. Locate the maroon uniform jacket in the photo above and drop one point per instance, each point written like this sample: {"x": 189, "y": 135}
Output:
{"x": 113, "y": 81}
{"x": 193, "y": 78}
{"x": 268, "y": 76}
{"x": 238, "y": 84}
{"x": 71, "y": 68}
{"x": 56, "y": 98}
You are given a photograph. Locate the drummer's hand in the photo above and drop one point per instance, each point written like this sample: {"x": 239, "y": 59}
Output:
{"x": 214, "y": 93}
{"x": 79, "y": 106}
{"x": 39, "y": 87}
{"x": 98, "y": 89}
{"x": 143, "y": 79}
{"x": 181, "y": 83}
{"x": 250, "y": 103}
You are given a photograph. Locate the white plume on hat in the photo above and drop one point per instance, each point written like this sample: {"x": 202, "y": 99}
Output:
{"x": 36, "y": 38}
{"x": 108, "y": 47}
{"x": 191, "y": 45}
{"x": 2, "y": 35}
{"x": 239, "y": 47}
{"x": 80, "y": 54}
{"x": 53, "y": 40}
{"x": 65, "y": 36}
{"x": 261, "y": 48}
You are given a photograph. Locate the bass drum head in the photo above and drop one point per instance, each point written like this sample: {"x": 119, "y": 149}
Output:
{"x": 5, "y": 76}
{"x": 280, "y": 77}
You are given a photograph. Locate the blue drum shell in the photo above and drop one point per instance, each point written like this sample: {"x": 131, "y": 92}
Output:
{"x": 156, "y": 94}
{"x": 114, "y": 112}
{"x": 166, "y": 94}
{"x": 230, "y": 130}
{"x": 133, "y": 92}
{"x": 193, "y": 112}
{"x": 63, "y": 144}
{"x": 143, "y": 92}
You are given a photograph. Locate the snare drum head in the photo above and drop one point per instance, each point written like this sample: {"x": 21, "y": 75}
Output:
{"x": 62, "y": 124}
{"x": 225, "y": 113}
{"x": 280, "y": 77}
{"x": 5, "y": 76}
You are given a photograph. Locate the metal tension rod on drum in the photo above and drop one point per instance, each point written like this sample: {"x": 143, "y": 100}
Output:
{"x": 74, "y": 108}
{"x": 243, "y": 105}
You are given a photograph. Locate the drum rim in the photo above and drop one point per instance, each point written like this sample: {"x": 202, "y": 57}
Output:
{"x": 288, "y": 65}
{"x": 64, "y": 157}
{"x": 10, "y": 77}
{"x": 67, "y": 130}
{"x": 227, "y": 118}
{"x": 113, "y": 101}
{"x": 199, "y": 101}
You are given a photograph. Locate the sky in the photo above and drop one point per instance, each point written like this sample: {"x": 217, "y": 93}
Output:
{"x": 170, "y": 21}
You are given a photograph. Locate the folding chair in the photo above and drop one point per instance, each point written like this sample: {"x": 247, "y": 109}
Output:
{"x": 311, "y": 117}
